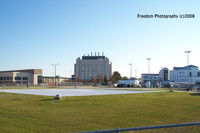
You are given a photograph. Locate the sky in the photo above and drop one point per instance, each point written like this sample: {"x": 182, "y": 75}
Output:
{"x": 39, "y": 33}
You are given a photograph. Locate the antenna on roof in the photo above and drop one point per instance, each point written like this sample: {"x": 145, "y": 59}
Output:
{"x": 95, "y": 53}
{"x": 98, "y": 53}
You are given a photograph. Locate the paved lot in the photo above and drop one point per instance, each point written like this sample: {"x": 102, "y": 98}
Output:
{"x": 71, "y": 92}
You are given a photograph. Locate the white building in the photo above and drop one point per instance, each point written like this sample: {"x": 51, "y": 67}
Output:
{"x": 93, "y": 67}
{"x": 133, "y": 82}
{"x": 187, "y": 74}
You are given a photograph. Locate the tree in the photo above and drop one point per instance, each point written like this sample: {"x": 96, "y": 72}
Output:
{"x": 100, "y": 78}
{"x": 125, "y": 78}
{"x": 93, "y": 80}
{"x": 78, "y": 79}
{"x": 111, "y": 80}
{"x": 116, "y": 76}
{"x": 105, "y": 80}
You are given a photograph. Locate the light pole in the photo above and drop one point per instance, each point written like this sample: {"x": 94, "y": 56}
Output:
{"x": 130, "y": 70}
{"x": 187, "y": 56}
{"x": 136, "y": 73}
{"x": 70, "y": 72}
{"x": 148, "y": 59}
{"x": 55, "y": 72}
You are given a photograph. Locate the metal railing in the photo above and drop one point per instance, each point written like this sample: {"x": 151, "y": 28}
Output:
{"x": 143, "y": 128}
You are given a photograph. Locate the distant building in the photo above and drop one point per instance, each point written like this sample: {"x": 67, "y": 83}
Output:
{"x": 151, "y": 80}
{"x": 90, "y": 67}
{"x": 187, "y": 74}
{"x": 156, "y": 80}
{"x": 164, "y": 74}
{"x": 21, "y": 77}
{"x": 47, "y": 80}
{"x": 132, "y": 82}
{"x": 165, "y": 77}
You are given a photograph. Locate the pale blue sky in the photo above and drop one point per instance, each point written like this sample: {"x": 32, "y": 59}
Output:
{"x": 37, "y": 33}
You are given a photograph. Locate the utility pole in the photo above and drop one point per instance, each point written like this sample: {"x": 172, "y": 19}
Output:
{"x": 187, "y": 57}
{"x": 55, "y": 72}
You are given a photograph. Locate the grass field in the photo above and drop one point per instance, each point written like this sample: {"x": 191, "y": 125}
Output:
{"x": 40, "y": 114}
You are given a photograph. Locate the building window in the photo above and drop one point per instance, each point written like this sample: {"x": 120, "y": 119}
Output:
{"x": 165, "y": 74}
{"x": 18, "y": 78}
{"x": 198, "y": 74}
{"x": 39, "y": 79}
{"x": 190, "y": 74}
{"x": 25, "y": 78}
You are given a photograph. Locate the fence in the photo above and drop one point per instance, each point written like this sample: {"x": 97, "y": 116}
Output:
{"x": 197, "y": 129}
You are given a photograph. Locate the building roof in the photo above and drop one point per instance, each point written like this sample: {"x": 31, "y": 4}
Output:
{"x": 33, "y": 71}
{"x": 184, "y": 68}
{"x": 165, "y": 68}
{"x": 52, "y": 77}
{"x": 92, "y": 57}
{"x": 150, "y": 74}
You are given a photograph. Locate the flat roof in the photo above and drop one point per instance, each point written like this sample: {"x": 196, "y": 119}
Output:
{"x": 92, "y": 57}
{"x": 33, "y": 71}
{"x": 184, "y": 68}
{"x": 150, "y": 74}
{"x": 54, "y": 77}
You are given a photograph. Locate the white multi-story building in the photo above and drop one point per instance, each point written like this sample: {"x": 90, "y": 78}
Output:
{"x": 92, "y": 67}
{"x": 187, "y": 74}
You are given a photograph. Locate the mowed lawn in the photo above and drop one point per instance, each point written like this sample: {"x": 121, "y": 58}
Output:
{"x": 34, "y": 114}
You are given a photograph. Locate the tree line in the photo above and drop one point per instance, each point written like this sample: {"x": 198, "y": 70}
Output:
{"x": 104, "y": 80}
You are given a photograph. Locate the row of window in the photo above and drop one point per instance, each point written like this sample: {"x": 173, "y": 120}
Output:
{"x": 147, "y": 77}
{"x": 11, "y": 78}
{"x": 21, "y": 78}
{"x": 96, "y": 69}
{"x": 90, "y": 74}
{"x": 6, "y": 78}
{"x": 191, "y": 74}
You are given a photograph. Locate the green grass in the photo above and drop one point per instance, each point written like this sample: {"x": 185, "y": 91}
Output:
{"x": 38, "y": 114}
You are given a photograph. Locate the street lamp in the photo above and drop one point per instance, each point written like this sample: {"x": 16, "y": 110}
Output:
{"x": 135, "y": 73}
{"x": 148, "y": 59}
{"x": 187, "y": 56}
{"x": 55, "y": 71}
{"x": 130, "y": 70}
